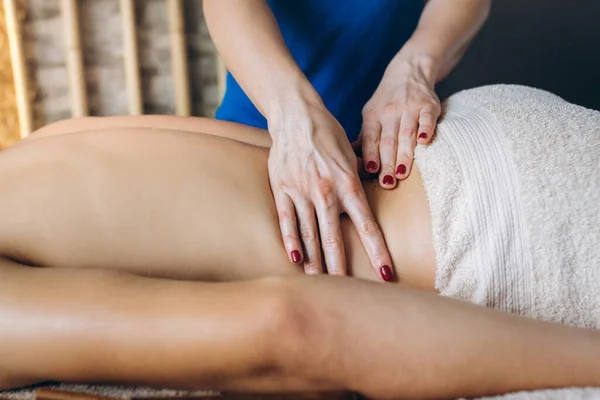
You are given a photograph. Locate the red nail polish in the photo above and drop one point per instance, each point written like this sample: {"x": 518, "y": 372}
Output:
{"x": 388, "y": 180}
{"x": 295, "y": 256}
{"x": 372, "y": 166}
{"x": 422, "y": 135}
{"x": 401, "y": 170}
{"x": 386, "y": 273}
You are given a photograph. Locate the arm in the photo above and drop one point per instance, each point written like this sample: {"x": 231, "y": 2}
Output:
{"x": 443, "y": 35}
{"x": 312, "y": 167}
{"x": 249, "y": 40}
{"x": 275, "y": 335}
{"x": 406, "y": 94}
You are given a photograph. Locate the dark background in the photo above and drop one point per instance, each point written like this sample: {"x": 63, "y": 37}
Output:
{"x": 549, "y": 44}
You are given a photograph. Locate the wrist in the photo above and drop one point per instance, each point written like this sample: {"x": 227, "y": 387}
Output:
{"x": 423, "y": 64}
{"x": 290, "y": 96}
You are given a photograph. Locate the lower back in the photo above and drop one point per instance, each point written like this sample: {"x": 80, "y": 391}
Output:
{"x": 174, "y": 204}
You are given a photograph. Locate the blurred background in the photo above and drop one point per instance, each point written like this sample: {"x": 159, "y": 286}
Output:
{"x": 550, "y": 44}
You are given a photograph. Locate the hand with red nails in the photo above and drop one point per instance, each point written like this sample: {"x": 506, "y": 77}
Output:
{"x": 312, "y": 168}
{"x": 314, "y": 178}
{"x": 402, "y": 112}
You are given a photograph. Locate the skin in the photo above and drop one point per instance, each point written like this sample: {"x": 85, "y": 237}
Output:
{"x": 239, "y": 195}
{"x": 124, "y": 216}
{"x": 405, "y": 108}
{"x": 312, "y": 168}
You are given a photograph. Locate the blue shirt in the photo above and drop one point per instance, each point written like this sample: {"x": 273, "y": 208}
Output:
{"x": 342, "y": 46}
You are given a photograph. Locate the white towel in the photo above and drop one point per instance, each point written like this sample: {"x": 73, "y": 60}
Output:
{"x": 513, "y": 182}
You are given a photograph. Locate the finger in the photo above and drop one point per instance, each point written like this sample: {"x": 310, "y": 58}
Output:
{"x": 388, "y": 144}
{"x": 356, "y": 206}
{"x": 357, "y": 145}
{"x": 307, "y": 222}
{"x": 371, "y": 131}
{"x": 407, "y": 140}
{"x": 328, "y": 214}
{"x": 288, "y": 226}
{"x": 363, "y": 174}
{"x": 427, "y": 121}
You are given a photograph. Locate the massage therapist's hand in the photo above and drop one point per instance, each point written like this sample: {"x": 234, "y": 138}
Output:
{"x": 314, "y": 178}
{"x": 403, "y": 111}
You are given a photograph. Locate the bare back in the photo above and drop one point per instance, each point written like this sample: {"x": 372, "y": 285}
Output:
{"x": 162, "y": 196}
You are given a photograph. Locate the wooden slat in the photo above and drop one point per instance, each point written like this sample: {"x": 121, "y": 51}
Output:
{"x": 74, "y": 58}
{"x": 19, "y": 68}
{"x": 130, "y": 57}
{"x": 179, "y": 57}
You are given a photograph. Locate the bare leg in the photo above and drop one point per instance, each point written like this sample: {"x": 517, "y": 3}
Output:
{"x": 277, "y": 334}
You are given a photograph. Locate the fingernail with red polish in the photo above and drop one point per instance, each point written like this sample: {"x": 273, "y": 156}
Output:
{"x": 372, "y": 166}
{"x": 401, "y": 170}
{"x": 388, "y": 180}
{"x": 386, "y": 273}
{"x": 295, "y": 256}
{"x": 422, "y": 135}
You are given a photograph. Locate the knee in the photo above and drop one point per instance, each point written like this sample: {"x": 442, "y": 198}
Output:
{"x": 300, "y": 334}
{"x": 286, "y": 318}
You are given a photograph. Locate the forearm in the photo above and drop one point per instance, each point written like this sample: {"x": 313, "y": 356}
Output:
{"x": 443, "y": 34}
{"x": 98, "y": 326}
{"x": 249, "y": 40}
{"x": 391, "y": 342}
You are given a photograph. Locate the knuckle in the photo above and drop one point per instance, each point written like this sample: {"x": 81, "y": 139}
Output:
{"x": 282, "y": 185}
{"x": 370, "y": 128}
{"x": 370, "y": 228}
{"x": 311, "y": 264}
{"x": 284, "y": 215}
{"x": 312, "y": 260}
{"x": 324, "y": 187}
{"x": 426, "y": 114}
{"x": 353, "y": 187}
{"x": 308, "y": 235}
{"x": 390, "y": 108}
{"x": 353, "y": 194}
{"x": 388, "y": 141}
{"x": 331, "y": 241}
{"x": 289, "y": 238}
{"x": 432, "y": 107}
{"x": 406, "y": 131}
{"x": 346, "y": 178}
{"x": 326, "y": 193}
{"x": 369, "y": 112}
{"x": 371, "y": 140}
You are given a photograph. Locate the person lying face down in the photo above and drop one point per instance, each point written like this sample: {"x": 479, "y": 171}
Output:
{"x": 130, "y": 220}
